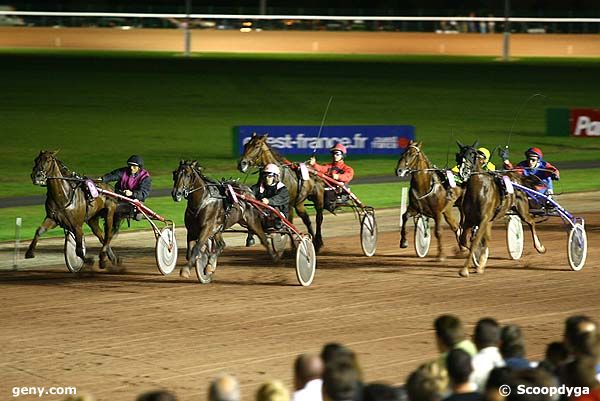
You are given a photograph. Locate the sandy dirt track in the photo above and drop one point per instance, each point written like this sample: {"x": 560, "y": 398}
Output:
{"x": 551, "y": 45}
{"x": 116, "y": 335}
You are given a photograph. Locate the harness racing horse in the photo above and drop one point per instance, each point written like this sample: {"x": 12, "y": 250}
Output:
{"x": 209, "y": 212}
{"x": 487, "y": 197}
{"x": 257, "y": 153}
{"x": 428, "y": 195}
{"x": 67, "y": 206}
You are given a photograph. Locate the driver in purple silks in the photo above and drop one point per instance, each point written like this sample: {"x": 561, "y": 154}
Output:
{"x": 133, "y": 181}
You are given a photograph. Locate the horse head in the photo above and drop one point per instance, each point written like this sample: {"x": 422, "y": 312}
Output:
{"x": 183, "y": 179}
{"x": 466, "y": 160}
{"x": 253, "y": 150}
{"x": 45, "y": 165}
{"x": 409, "y": 159}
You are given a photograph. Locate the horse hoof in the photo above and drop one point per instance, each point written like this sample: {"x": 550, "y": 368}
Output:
{"x": 480, "y": 270}
{"x": 210, "y": 269}
{"x": 542, "y": 249}
{"x": 89, "y": 261}
{"x": 464, "y": 272}
{"x": 29, "y": 255}
{"x": 119, "y": 261}
{"x": 250, "y": 242}
{"x": 404, "y": 243}
{"x": 102, "y": 264}
{"x": 185, "y": 272}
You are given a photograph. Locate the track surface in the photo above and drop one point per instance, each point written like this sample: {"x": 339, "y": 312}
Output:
{"x": 522, "y": 45}
{"x": 116, "y": 335}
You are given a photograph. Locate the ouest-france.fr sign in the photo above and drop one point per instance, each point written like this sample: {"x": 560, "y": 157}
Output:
{"x": 304, "y": 139}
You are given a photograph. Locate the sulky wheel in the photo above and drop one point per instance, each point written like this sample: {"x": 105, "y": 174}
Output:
{"x": 368, "y": 234}
{"x": 514, "y": 237}
{"x": 577, "y": 247}
{"x": 166, "y": 251}
{"x": 422, "y": 236}
{"x": 306, "y": 261}
{"x": 74, "y": 263}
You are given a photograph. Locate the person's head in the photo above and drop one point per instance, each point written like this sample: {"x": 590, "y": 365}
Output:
{"x": 579, "y": 330}
{"x": 273, "y": 390}
{"x": 158, "y": 395}
{"x": 512, "y": 343}
{"x": 335, "y": 351}
{"x": 530, "y": 379}
{"x": 533, "y": 155}
{"x": 424, "y": 385}
{"x": 380, "y": 392}
{"x": 581, "y": 372}
{"x": 556, "y": 354}
{"x": 483, "y": 155}
{"x": 271, "y": 174}
{"x": 224, "y": 388}
{"x": 449, "y": 331}
{"x": 338, "y": 152}
{"x": 307, "y": 367}
{"x": 458, "y": 363}
{"x": 135, "y": 163}
{"x": 487, "y": 333}
{"x": 497, "y": 378}
{"x": 341, "y": 380}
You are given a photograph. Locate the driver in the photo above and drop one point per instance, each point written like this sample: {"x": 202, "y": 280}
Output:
{"x": 337, "y": 169}
{"x": 132, "y": 181}
{"x": 483, "y": 158}
{"x": 271, "y": 191}
{"x": 534, "y": 165}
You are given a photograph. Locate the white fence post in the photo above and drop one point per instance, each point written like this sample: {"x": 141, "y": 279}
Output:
{"x": 18, "y": 224}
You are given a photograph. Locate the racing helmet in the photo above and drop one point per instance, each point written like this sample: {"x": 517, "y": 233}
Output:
{"x": 485, "y": 153}
{"x": 534, "y": 152}
{"x": 135, "y": 160}
{"x": 272, "y": 169}
{"x": 339, "y": 147}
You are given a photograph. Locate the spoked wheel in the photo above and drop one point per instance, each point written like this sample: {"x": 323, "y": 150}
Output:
{"x": 306, "y": 261}
{"x": 577, "y": 247}
{"x": 514, "y": 237}
{"x": 368, "y": 234}
{"x": 166, "y": 251}
{"x": 278, "y": 242}
{"x": 202, "y": 257}
{"x": 422, "y": 236}
{"x": 74, "y": 263}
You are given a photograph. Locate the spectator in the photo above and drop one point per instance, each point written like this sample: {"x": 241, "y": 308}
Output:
{"x": 380, "y": 392}
{"x": 487, "y": 339}
{"x": 425, "y": 385}
{"x": 224, "y": 388}
{"x": 581, "y": 373}
{"x": 334, "y": 351}
{"x": 341, "y": 380}
{"x": 556, "y": 356}
{"x": 273, "y": 390}
{"x": 497, "y": 378}
{"x": 530, "y": 378}
{"x": 512, "y": 347}
{"x": 158, "y": 395}
{"x": 458, "y": 363}
{"x": 580, "y": 335}
{"x": 308, "y": 371}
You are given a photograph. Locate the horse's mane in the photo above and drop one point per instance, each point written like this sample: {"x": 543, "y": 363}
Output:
{"x": 280, "y": 158}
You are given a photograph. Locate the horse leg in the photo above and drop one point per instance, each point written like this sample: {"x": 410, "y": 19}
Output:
{"x": 318, "y": 242}
{"x": 487, "y": 235}
{"x": 403, "y": 240}
{"x": 454, "y": 226}
{"x": 191, "y": 242}
{"x": 301, "y": 210}
{"x": 106, "y": 252}
{"x": 475, "y": 243}
{"x": 523, "y": 212}
{"x": 438, "y": 235}
{"x": 47, "y": 224}
{"x": 201, "y": 242}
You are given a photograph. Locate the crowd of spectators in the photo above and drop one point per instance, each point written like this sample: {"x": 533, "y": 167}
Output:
{"x": 493, "y": 366}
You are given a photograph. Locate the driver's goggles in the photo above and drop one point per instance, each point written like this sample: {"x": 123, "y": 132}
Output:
{"x": 336, "y": 153}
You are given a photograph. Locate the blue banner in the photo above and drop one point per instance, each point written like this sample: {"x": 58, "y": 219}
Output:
{"x": 359, "y": 139}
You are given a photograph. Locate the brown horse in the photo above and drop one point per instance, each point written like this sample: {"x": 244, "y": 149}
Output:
{"x": 428, "y": 195}
{"x": 68, "y": 207}
{"x": 486, "y": 199}
{"x": 209, "y": 212}
{"x": 257, "y": 153}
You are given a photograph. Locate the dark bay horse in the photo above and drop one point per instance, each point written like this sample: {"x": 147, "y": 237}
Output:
{"x": 209, "y": 212}
{"x": 258, "y": 153}
{"x": 487, "y": 198}
{"x": 68, "y": 207}
{"x": 428, "y": 194}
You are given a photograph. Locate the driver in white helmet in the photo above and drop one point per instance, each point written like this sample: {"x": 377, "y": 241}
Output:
{"x": 271, "y": 191}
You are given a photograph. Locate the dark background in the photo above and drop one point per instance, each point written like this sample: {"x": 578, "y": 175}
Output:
{"x": 590, "y": 8}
